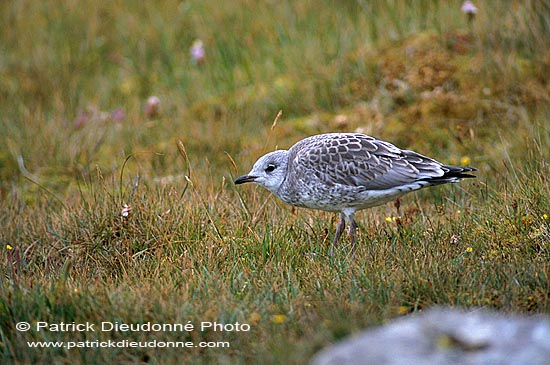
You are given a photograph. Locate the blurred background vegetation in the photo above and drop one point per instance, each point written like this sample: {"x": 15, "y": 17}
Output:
{"x": 79, "y": 146}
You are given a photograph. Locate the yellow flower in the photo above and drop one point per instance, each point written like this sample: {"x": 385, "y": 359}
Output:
{"x": 469, "y": 249}
{"x": 128, "y": 85}
{"x": 254, "y": 318}
{"x": 9, "y": 247}
{"x": 465, "y": 160}
{"x": 279, "y": 318}
{"x": 388, "y": 219}
{"x": 545, "y": 216}
{"x": 402, "y": 310}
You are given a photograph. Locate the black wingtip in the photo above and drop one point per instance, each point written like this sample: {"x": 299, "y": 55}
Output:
{"x": 453, "y": 174}
{"x": 465, "y": 176}
{"x": 458, "y": 172}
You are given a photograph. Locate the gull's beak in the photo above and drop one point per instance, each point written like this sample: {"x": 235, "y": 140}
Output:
{"x": 245, "y": 178}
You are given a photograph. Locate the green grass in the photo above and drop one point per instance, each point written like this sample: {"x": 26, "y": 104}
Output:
{"x": 196, "y": 248}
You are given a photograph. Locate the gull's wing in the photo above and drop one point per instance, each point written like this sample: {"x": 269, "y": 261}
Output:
{"x": 358, "y": 160}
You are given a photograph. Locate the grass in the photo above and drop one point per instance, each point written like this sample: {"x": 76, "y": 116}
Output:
{"x": 193, "y": 247}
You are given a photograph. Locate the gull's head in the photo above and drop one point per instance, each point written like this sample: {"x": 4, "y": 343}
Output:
{"x": 269, "y": 171}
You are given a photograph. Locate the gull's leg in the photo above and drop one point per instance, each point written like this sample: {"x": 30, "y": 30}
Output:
{"x": 339, "y": 230}
{"x": 352, "y": 232}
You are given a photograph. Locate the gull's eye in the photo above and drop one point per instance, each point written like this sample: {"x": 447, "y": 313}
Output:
{"x": 270, "y": 168}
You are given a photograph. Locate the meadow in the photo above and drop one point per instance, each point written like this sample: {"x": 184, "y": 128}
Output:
{"x": 111, "y": 214}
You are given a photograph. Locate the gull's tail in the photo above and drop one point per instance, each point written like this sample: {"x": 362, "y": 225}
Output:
{"x": 452, "y": 174}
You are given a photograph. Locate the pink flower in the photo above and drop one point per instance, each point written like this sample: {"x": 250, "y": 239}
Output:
{"x": 118, "y": 115}
{"x": 81, "y": 119}
{"x": 198, "y": 54}
{"x": 151, "y": 109}
{"x": 125, "y": 211}
{"x": 470, "y": 10}
{"x": 468, "y": 7}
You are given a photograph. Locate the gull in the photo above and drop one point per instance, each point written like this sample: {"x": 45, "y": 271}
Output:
{"x": 347, "y": 172}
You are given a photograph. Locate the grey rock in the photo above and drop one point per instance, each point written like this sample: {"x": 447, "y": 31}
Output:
{"x": 443, "y": 336}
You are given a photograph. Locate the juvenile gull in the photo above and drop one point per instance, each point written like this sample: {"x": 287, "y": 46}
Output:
{"x": 346, "y": 172}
